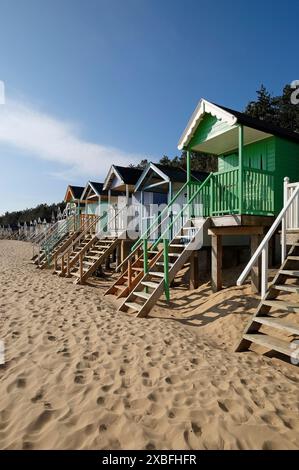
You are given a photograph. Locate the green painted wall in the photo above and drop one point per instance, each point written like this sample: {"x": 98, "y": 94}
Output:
{"x": 208, "y": 128}
{"x": 287, "y": 164}
{"x": 274, "y": 154}
{"x": 259, "y": 155}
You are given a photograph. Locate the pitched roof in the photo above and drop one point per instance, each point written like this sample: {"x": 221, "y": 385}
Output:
{"x": 262, "y": 125}
{"x": 98, "y": 187}
{"x": 169, "y": 173}
{"x": 179, "y": 174}
{"x": 128, "y": 174}
{"x": 232, "y": 117}
{"x": 77, "y": 191}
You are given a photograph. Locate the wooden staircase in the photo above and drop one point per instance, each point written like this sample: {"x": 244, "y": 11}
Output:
{"x": 273, "y": 308}
{"x": 47, "y": 259}
{"x": 64, "y": 261}
{"x": 91, "y": 257}
{"x": 151, "y": 284}
{"x": 134, "y": 273}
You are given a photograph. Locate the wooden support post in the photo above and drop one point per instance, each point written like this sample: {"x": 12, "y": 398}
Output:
{"x": 81, "y": 266}
{"x": 129, "y": 275}
{"x": 194, "y": 271}
{"x": 107, "y": 262}
{"x": 256, "y": 269}
{"x": 124, "y": 252}
{"x": 240, "y": 188}
{"x": 216, "y": 262}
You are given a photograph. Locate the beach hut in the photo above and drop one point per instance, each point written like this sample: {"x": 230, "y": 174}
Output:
{"x": 240, "y": 199}
{"x": 73, "y": 199}
{"x": 156, "y": 187}
{"x": 56, "y": 238}
{"x": 125, "y": 209}
{"x": 105, "y": 203}
{"x": 95, "y": 200}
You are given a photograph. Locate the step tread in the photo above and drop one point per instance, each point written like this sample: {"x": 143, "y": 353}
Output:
{"x": 92, "y": 257}
{"x": 281, "y": 304}
{"x": 133, "y": 306}
{"x": 270, "y": 342}
{"x": 155, "y": 273}
{"x": 279, "y": 323}
{"x": 289, "y": 272}
{"x": 161, "y": 263}
{"x": 143, "y": 295}
{"x": 152, "y": 285}
{"x": 285, "y": 287}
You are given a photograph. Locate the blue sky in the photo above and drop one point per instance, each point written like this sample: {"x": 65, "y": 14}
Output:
{"x": 94, "y": 82}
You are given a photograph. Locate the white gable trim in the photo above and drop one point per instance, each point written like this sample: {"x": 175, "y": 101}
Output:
{"x": 151, "y": 166}
{"x": 111, "y": 172}
{"x": 202, "y": 108}
{"x": 88, "y": 185}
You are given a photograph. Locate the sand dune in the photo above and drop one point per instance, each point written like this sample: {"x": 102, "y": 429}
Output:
{"x": 80, "y": 375}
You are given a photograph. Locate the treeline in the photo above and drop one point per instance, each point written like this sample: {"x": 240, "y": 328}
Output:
{"x": 275, "y": 109}
{"x": 278, "y": 110}
{"x": 199, "y": 161}
{"x": 42, "y": 211}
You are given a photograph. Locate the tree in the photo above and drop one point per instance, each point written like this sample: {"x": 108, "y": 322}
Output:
{"x": 276, "y": 109}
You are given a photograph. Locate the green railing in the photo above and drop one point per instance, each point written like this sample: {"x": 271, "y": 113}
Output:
{"x": 162, "y": 218}
{"x": 64, "y": 227}
{"x": 258, "y": 192}
{"x": 221, "y": 195}
{"x": 167, "y": 234}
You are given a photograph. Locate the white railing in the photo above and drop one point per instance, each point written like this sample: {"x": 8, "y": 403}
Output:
{"x": 289, "y": 220}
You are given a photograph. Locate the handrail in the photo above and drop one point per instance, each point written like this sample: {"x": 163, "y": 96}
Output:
{"x": 137, "y": 245}
{"x": 146, "y": 233}
{"x": 58, "y": 226}
{"x": 98, "y": 234}
{"x": 44, "y": 235}
{"x": 60, "y": 229}
{"x": 156, "y": 243}
{"x": 263, "y": 247}
{"x": 90, "y": 243}
{"x": 82, "y": 233}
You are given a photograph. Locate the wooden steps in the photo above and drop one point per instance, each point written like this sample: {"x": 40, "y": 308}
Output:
{"x": 286, "y": 288}
{"x": 270, "y": 342}
{"x": 143, "y": 295}
{"x": 133, "y": 306}
{"x": 289, "y": 273}
{"x": 122, "y": 287}
{"x": 282, "y": 305}
{"x": 275, "y": 303}
{"x": 279, "y": 323}
{"x": 140, "y": 301}
{"x": 151, "y": 285}
{"x": 92, "y": 256}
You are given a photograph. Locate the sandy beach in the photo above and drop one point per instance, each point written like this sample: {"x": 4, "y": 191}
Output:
{"x": 80, "y": 375}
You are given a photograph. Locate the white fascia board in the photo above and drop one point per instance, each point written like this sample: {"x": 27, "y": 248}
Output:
{"x": 93, "y": 188}
{"x": 111, "y": 172}
{"x": 84, "y": 191}
{"x": 150, "y": 166}
{"x": 202, "y": 108}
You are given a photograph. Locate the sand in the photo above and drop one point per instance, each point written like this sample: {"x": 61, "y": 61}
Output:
{"x": 80, "y": 375}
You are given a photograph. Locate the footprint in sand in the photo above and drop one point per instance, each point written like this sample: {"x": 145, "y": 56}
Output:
{"x": 39, "y": 395}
